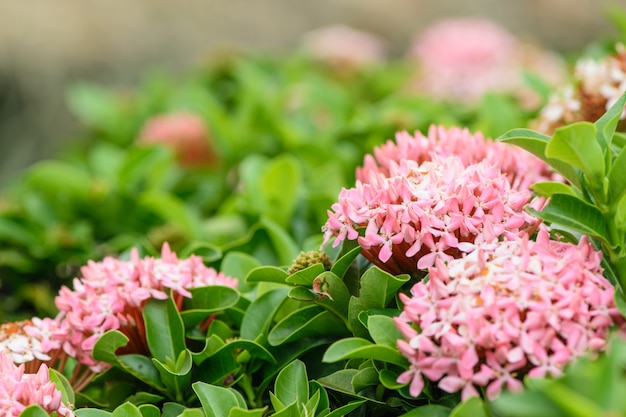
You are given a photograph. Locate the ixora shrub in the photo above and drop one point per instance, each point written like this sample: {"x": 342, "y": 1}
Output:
{"x": 529, "y": 299}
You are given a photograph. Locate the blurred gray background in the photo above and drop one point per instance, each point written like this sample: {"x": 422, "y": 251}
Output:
{"x": 46, "y": 45}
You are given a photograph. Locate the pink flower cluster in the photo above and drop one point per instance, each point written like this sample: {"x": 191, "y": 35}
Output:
{"x": 19, "y": 390}
{"x": 423, "y": 198}
{"x": 465, "y": 57}
{"x": 111, "y": 293}
{"x": 508, "y": 309}
{"x": 185, "y": 133}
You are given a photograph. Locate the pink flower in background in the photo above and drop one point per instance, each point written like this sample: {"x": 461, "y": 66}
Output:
{"x": 414, "y": 213}
{"x": 111, "y": 293}
{"x": 508, "y": 309}
{"x": 597, "y": 85}
{"x": 343, "y": 46}
{"x": 19, "y": 389}
{"x": 185, "y": 133}
{"x": 465, "y": 57}
{"x": 521, "y": 167}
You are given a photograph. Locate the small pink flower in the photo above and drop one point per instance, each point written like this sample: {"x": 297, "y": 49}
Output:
{"x": 19, "y": 390}
{"x": 185, "y": 133}
{"x": 111, "y": 293}
{"x": 508, "y": 309}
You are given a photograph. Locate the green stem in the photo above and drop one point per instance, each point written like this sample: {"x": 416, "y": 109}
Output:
{"x": 246, "y": 385}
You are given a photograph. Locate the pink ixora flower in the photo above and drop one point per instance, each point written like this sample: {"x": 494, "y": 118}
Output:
{"x": 185, "y": 133}
{"x": 508, "y": 309}
{"x": 416, "y": 210}
{"x": 465, "y": 57}
{"x": 19, "y": 389}
{"x": 111, "y": 293}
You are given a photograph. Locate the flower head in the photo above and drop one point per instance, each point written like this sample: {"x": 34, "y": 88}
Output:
{"x": 185, "y": 133}
{"x": 597, "y": 85}
{"x": 111, "y": 293}
{"x": 508, "y": 309}
{"x": 19, "y": 390}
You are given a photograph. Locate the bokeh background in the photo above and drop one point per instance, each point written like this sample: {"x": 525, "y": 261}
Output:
{"x": 47, "y": 45}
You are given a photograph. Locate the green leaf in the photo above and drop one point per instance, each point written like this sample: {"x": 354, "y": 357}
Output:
{"x": 286, "y": 249}
{"x": 549, "y": 188}
{"x": 192, "y": 412}
{"x": 389, "y": 379}
{"x": 354, "y": 347}
{"x": 345, "y": 409}
{"x": 337, "y": 289}
{"x": 576, "y": 145}
{"x": 59, "y": 177}
{"x": 279, "y": 184}
{"x": 383, "y": 330}
{"x": 617, "y": 179}
{"x": 63, "y": 385}
{"x": 607, "y": 123}
{"x": 267, "y": 274}
{"x": 536, "y": 143}
{"x": 573, "y": 213}
{"x": 307, "y": 321}
{"x": 378, "y": 288}
{"x": 105, "y": 347}
{"x": 208, "y": 252}
{"x": 216, "y": 401}
{"x": 165, "y": 331}
{"x": 430, "y": 410}
{"x": 205, "y": 301}
{"x": 150, "y": 410}
{"x": 305, "y": 276}
{"x": 365, "y": 378}
{"x": 173, "y": 409}
{"x": 260, "y": 313}
{"x": 474, "y": 407}
{"x": 83, "y": 412}
{"x": 341, "y": 265}
{"x": 32, "y": 411}
{"x": 126, "y": 410}
{"x": 177, "y": 376}
{"x": 238, "y": 265}
{"x": 292, "y": 384}
{"x": 142, "y": 368}
{"x": 241, "y": 412}
{"x": 173, "y": 210}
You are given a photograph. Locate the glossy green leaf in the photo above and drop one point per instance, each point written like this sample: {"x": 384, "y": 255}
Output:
{"x": 150, "y": 410}
{"x": 536, "y": 143}
{"x": 105, "y": 347}
{"x": 205, "y": 301}
{"x": 342, "y": 381}
{"x": 63, "y": 385}
{"x": 344, "y": 410}
{"x": 284, "y": 245}
{"x": 260, "y": 313}
{"x": 378, "y": 288}
{"x": 279, "y": 185}
{"x": 241, "y": 412}
{"x": 267, "y": 274}
{"x": 32, "y": 411}
{"x": 126, "y": 410}
{"x": 292, "y": 384}
{"x": 383, "y": 330}
{"x": 238, "y": 265}
{"x": 607, "y": 123}
{"x": 85, "y": 412}
{"x": 341, "y": 265}
{"x": 142, "y": 368}
{"x": 617, "y": 177}
{"x": 549, "y": 188}
{"x": 473, "y": 407}
{"x": 192, "y": 412}
{"x": 364, "y": 378}
{"x": 216, "y": 401}
{"x": 291, "y": 410}
{"x": 145, "y": 400}
{"x": 573, "y": 213}
{"x": 305, "y": 276}
{"x": 171, "y": 409}
{"x": 389, "y": 379}
{"x": 307, "y": 321}
{"x": 177, "y": 376}
{"x": 575, "y": 144}
{"x": 430, "y": 410}
{"x": 338, "y": 291}
{"x": 303, "y": 294}
{"x": 173, "y": 210}
{"x": 354, "y": 347}
{"x": 208, "y": 252}
{"x": 165, "y": 331}
{"x": 324, "y": 401}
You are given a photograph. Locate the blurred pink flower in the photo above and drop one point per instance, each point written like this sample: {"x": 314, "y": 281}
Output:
{"x": 596, "y": 86}
{"x": 465, "y": 57}
{"x": 111, "y": 293}
{"x": 344, "y": 47}
{"x": 185, "y": 133}
{"x": 19, "y": 390}
{"x": 508, "y": 309}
